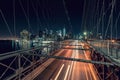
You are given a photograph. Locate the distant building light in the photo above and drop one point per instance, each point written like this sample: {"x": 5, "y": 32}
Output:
{"x": 112, "y": 41}
{"x": 16, "y": 40}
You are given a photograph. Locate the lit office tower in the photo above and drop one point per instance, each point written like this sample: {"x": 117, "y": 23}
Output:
{"x": 60, "y": 32}
{"x": 64, "y": 32}
{"x": 51, "y": 32}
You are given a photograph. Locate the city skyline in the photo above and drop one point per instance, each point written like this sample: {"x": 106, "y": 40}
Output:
{"x": 33, "y": 15}
{"x": 76, "y": 16}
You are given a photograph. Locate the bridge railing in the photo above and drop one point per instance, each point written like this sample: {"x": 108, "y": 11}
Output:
{"x": 15, "y": 65}
{"x": 108, "y": 47}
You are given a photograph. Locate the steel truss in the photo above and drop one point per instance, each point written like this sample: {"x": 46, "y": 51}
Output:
{"x": 17, "y": 64}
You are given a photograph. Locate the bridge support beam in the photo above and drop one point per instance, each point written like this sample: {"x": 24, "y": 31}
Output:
{"x": 107, "y": 72}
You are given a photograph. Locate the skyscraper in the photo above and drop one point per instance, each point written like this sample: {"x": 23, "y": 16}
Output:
{"x": 64, "y": 32}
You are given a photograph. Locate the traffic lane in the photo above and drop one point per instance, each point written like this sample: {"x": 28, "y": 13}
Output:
{"x": 54, "y": 67}
{"x": 64, "y": 72}
{"x": 41, "y": 68}
{"x": 61, "y": 72}
{"x": 50, "y": 69}
{"x": 70, "y": 70}
{"x": 79, "y": 69}
{"x": 83, "y": 71}
{"x": 91, "y": 69}
{"x": 48, "y": 72}
{"x": 65, "y": 68}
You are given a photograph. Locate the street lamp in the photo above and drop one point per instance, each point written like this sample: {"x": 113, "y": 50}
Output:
{"x": 85, "y": 33}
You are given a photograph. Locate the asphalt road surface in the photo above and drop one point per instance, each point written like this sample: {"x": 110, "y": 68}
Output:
{"x": 70, "y": 70}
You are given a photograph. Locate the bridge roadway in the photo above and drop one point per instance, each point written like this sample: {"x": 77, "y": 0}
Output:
{"x": 69, "y": 70}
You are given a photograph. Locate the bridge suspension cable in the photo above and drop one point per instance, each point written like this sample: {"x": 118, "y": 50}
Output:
{"x": 8, "y": 27}
{"x": 116, "y": 26}
{"x": 110, "y": 21}
{"x": 68, "y": 17}
{"x": 36, "y": 12}
{"x": 27, "y": 17}
{"x": 14, "y": 17}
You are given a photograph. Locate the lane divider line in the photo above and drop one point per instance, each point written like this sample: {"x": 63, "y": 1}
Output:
{"x": 67, "y": 72}
{"x": 59, "y": 72}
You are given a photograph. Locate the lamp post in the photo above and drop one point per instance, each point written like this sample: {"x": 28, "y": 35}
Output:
{"x": 85, "y": 35}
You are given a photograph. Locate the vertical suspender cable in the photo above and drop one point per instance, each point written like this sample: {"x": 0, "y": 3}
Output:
{"x": 100, "y": 19}
{"x": 14, "y": 17}
{"x": 96, "y": 12}
{"x": 8, "y": 27}
{"x": 112, "y": 13}
{"x": 37, "y": 13}
{"x": 97, "y": 18}
{"x": 28, "y": 15}
{"x": 116, "y": 26}
{"x": 28, "y": 22}
{"x": 39, "y": 5}
{"x": 86, "y": 16}
{"x": 66, "y": 12}
{"x": 83, "y": 17}
{"x": 44, "y": 16}
{"x": 47, "y": 15}
{"x": 103, "y": 20}
{"x": 111, "y": 26}
{"x": 38, "y": 18}
{"x": 110, "y": 21}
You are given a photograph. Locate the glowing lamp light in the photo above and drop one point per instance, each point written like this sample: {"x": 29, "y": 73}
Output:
{"x": 85, "y": 33}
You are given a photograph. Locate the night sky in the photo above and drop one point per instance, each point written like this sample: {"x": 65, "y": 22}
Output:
{"x": 34, "y": 15}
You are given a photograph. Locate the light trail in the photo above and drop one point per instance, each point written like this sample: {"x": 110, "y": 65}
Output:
{"x": 71, "y": 67}
{"x": 71, "y": 70}
{"x": 67, "y": 72}
{"x": 90, "y": 66}
{"x": 72, "y": 63}
{"x": 59, "y": 72}
{"x": 86, "y": 72}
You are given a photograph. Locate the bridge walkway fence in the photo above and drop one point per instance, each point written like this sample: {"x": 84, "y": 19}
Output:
{"x": 17, "y": 64}
{"x": 110, "y": 48}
